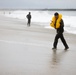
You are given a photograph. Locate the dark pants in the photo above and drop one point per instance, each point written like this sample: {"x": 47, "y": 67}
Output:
{"x": 29, "y": 21}
{"x": 59, "y": 35}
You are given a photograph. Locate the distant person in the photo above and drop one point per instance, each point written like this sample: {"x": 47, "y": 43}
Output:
{"x": 4, "y": 12}
{"x": 29, "y": 18}
{"x": 9, "y": 12}
{"x": 58, "y": 24}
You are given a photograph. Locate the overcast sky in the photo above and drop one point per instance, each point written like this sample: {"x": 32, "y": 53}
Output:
{"x": 23, "y": 4}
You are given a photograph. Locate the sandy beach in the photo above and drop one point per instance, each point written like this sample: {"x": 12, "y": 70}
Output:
{"x": 28, "y": 50}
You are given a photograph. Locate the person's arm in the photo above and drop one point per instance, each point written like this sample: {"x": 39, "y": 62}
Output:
{"x": 27, "y": 16}
{"x": 30, "y": 16}
{"x": 62, "y": 23}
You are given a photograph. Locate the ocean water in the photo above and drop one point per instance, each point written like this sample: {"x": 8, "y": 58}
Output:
{"x": 44, "y": 18}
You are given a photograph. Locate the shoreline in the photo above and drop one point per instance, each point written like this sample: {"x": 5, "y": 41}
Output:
{"x": 45, "y": 26}
{"x": 67, "y": 19}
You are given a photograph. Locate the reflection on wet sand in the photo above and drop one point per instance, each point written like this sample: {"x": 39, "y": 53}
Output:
{"x": 57, "y": 57}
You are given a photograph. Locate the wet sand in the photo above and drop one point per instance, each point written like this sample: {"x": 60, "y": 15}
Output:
{"x": 28, "y": 50}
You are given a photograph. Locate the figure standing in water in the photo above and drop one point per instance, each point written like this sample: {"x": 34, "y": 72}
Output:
{"x": 29, "y": 18}
{"x": 58, "y": 24}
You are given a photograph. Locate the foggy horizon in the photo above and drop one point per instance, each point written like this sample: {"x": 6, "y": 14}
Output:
{"x": 37, "y": 4}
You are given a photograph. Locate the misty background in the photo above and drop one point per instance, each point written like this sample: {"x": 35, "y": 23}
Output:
{"x": 37, "y": 4}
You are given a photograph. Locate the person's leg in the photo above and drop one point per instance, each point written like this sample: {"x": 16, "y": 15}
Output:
{"x": 29, "y": 22}
{"x": 56, "y": 40}
{"x": 64, "y": 41}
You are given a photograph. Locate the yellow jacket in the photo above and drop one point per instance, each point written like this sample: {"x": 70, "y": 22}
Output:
{"x": 57, "y": 23}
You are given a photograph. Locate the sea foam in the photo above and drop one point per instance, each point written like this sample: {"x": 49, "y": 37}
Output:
{"x": 44, "y": 18}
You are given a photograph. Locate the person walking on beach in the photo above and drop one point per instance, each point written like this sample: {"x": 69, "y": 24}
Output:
{"x": 58, "y": 24}
{"x": 29, "y": 18}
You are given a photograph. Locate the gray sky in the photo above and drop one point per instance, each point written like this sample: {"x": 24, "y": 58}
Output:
{"x": 38, "y": 4}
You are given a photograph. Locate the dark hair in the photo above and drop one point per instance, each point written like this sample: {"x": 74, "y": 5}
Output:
{"x": 56, "y": 14}
{"x": 29, "y": 12}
